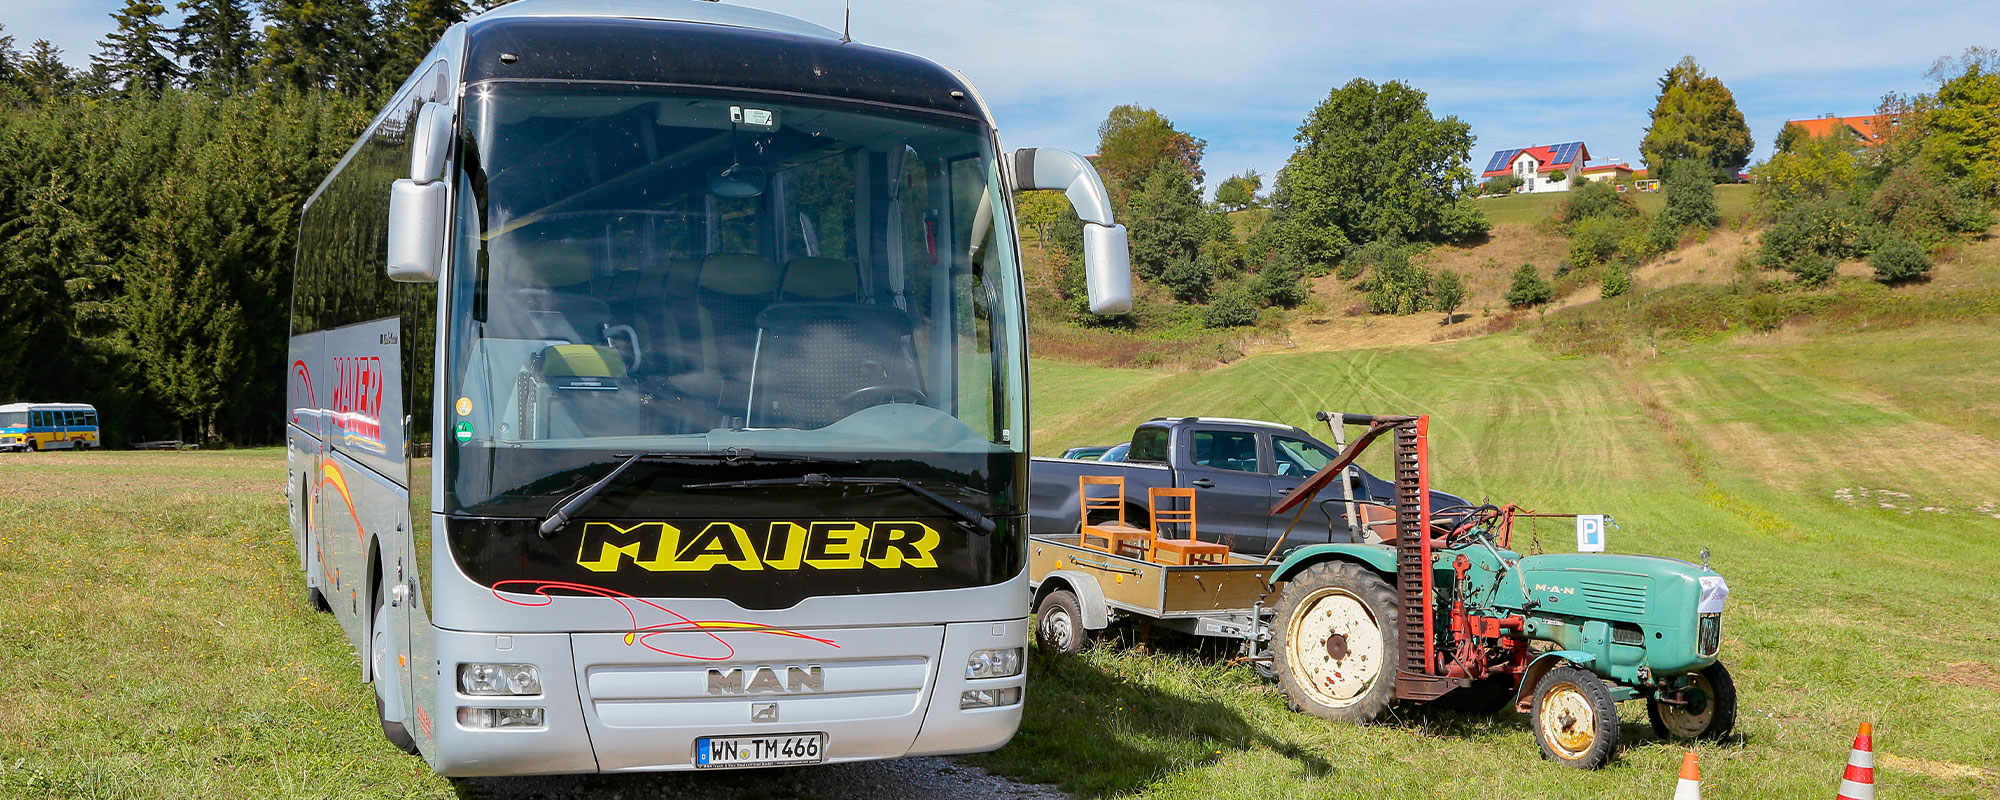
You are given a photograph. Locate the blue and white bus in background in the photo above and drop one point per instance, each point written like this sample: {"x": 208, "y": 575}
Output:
{"x": 49, "y": 426}
{"x": 658, "y": 395}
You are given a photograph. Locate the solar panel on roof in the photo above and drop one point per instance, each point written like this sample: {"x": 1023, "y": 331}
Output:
{"x": 1502, "y": 159}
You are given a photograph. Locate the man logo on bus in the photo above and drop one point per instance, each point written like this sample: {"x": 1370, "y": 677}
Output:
{"x": 825, "y": 544}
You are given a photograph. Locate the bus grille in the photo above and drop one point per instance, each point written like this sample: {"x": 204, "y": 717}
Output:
{"x": 1708, "y": 636}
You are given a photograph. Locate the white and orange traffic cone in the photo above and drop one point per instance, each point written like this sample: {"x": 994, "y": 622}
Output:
{"x": 1690, "y": 786}
{"x": 1859, "y": 781}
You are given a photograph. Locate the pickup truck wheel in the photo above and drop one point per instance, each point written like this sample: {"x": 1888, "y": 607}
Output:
{"x": 1575, "y": 719}
{"x": 1706, "y": 707}
{"x": 1059, "y": 624}
{"x": 1334, "y": 647}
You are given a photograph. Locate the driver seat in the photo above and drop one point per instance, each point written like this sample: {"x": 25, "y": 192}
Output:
{"x": 811, "y": 356}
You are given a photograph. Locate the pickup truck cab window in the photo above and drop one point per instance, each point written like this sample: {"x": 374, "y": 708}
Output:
{"x": 1225, "y": 450}
{"x": 1297, "y": 458}
{"x": 1149, "y": 444}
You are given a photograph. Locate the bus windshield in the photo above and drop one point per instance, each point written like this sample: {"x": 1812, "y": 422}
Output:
{"x": 643, "y": 271}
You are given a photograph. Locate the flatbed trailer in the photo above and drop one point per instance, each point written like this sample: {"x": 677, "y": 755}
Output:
{"x": 1082, "y": 589}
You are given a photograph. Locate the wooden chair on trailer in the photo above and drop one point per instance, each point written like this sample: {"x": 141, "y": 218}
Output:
{"x": 1115, "y": 533}
{"x": 1190, "y": 550}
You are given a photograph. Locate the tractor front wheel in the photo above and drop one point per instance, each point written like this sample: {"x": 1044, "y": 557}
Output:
{"x": 1335, "y": 643}
{"x": 1705, "y": 708}
{"x": 1575, "y": 719}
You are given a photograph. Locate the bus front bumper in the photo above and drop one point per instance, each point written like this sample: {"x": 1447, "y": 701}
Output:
{"x": 610, "y": 705}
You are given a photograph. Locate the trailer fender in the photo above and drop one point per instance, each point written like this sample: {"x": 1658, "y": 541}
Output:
{"x": 1380, "y": 558}
{"x": 1089, "y": 598}
{"x": 1525, "y": 693}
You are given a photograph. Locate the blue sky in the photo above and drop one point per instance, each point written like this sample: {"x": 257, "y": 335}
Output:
{"x": 1243, "y": 74}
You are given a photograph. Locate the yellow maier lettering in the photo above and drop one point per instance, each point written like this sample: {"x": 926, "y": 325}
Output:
{"x": 647, "y": 544}
{"x": 785, "y": 545}
{"x": 895, "y": 544}
{"x": 721, "y": 544}
{"x": 836, "y": 545}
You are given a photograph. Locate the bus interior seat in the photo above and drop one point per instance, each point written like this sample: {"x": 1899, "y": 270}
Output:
{"x": 552, "y": 293}
{"x": 810, "y": 278}
{"x": 813, "y": 355}
{"x": 730, "y": 291}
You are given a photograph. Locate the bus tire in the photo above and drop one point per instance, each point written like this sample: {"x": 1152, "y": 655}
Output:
{"x": 34, "y": 446}
{"x": 317, "y": 600}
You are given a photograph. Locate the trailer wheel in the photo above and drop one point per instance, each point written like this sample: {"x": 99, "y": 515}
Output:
{"x": 1575, "y": 719}
{"x": 1059, "y": 624}
{"x": 1708, "y": 711}
{"x": 1334, "y": 647}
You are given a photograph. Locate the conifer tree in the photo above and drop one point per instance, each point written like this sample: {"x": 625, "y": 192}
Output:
{"x": 1695, "y": 117}
{"x": 43, "y": 75}
{"x": 1165, "y": 219}
{"x": 216, "y": 40}
{"x": 322, "y": 44}
{"x": 9, "y": 59}
{"x": 412, "y": 27}
{"x": 138, "y": 57}
{"x": 39, "y": 251}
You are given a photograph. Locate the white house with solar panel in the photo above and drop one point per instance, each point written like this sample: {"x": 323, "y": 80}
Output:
{"x": 1538, "y": 167}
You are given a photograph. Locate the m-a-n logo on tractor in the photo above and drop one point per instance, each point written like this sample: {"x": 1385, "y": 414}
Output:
{"x": 662, "y": 547}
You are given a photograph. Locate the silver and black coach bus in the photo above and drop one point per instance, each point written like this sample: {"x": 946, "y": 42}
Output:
{"x": 657, "y": 395}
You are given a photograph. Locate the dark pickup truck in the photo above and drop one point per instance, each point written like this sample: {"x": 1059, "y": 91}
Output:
{"x": 1241, "y": 467}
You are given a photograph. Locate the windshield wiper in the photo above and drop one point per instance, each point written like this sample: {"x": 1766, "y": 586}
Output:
{"x": 968, "y": 516}
{"x": 728, "y": 456}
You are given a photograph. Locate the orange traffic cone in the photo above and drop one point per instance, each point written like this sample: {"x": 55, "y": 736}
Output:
{"x": 1859, "y": 781}
{"x": 1690, "y": 786}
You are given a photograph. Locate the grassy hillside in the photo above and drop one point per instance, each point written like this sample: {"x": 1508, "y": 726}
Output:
{"x": 1733, "y": 200}
{"x": 1846, "y": 484}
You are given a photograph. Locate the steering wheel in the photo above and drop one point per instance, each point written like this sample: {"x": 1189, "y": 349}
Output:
{"x": 883, "y": 393}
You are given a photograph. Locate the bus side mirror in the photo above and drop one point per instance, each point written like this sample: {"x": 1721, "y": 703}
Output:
{"x": 417, "y": 208}
{"x": 1107, "y": 260}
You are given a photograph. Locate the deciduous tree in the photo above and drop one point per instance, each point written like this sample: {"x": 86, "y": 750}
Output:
{"x": 1373, "y": 163}
{"x": 1131, "y": 143}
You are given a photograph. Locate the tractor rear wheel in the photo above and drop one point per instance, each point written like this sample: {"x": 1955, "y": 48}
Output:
{"x": 1335, "y": 643}
{"x": 1575, "y": 719}
{"x": 1707, "y": 709}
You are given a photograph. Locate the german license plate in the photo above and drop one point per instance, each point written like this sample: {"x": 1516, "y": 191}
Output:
{"x": 759, "y": 751}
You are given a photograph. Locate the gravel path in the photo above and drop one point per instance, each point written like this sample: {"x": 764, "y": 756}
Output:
{"x": 904, "y": 779}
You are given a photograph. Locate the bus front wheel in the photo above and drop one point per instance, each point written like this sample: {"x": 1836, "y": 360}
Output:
{"x": 383, "y": 659}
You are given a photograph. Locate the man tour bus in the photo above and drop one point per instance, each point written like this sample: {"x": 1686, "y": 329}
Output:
{"x": 49, "y": 426}
{"x": 658, "y": 395}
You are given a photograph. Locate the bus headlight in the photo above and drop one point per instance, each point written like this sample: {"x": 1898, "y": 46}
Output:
{"x": 994, "y": 664}
{"x": 989, "y": 698}
{"x": 500, "y": 717}
{"x": 499, "y": 679}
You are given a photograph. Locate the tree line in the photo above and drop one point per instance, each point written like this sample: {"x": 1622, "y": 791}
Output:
{"x": 149, "y": 202}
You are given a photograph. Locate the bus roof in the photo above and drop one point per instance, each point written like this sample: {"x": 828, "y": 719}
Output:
{"x": 702, "y": 11}
{"x": 48, "y": 407}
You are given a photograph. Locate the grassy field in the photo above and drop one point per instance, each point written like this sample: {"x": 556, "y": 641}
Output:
{"x": 1845, "y": 483}
{"x": 1733, "y": 200}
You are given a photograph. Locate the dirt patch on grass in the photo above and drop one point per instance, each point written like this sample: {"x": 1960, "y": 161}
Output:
{"x": 1972, "y": 674}
{"x": 1937, "y": 769}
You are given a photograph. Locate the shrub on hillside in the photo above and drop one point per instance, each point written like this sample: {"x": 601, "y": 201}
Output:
{"x": 1231, "y": 308}
{"x": 1188, "y": 278}
{"x": 1529, "y": 288}
{"x": 1279, "y": 283}
{"x": 1813, "y": 269}
{"x": 1590, "y": 199}
{"x": 1462, "y": 220}
{"x": 1360, "y": 258}
{"x": 1617, "y": 278}
{"x": 1501, "y": 185}
{"x": 1833, "y": 229}
{"x": 1447, "y": 293}
{"x": 1399, "y": 287}
{"x": 1690, "y": 188}
{"x": 1900, "y": 259}
{"x": 1597, "y": 240}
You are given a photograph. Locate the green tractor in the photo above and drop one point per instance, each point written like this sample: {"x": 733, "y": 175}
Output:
{"x": 1445, "y": 611}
